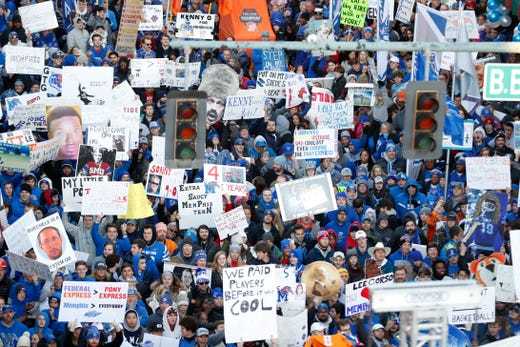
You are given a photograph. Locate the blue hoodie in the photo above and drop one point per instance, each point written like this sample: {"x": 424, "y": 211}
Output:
{"x": 9, "y": 334}
{"x": 45, "y": 332}
{"x": 122, "y": 244}
{"x": 150, "y": 273}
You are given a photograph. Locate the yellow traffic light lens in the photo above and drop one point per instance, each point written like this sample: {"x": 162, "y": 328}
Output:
{"x": 426, "y": 122}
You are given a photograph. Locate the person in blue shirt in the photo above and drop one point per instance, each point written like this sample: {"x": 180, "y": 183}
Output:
{"x": 41, "y": 327}
{"x": 411, "y": 200}
{"x": 122, "y": 244}
{"x": 154, "y": 249}
{"x": 146, "y": 50}
{"x": 97, "y": 53}
{"x": 340, "y": 226}
{"x": 10, "y": 329}
{"x": 405, "y": 253}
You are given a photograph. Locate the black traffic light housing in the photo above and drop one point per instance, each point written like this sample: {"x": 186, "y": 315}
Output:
{"x": 185, "y": 129}
{"x": 425, "y": 110}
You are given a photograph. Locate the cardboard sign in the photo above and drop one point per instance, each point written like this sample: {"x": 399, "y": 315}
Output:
{"x": 129, "y": 26}
{"x": 484, "y": 313}
{"x": 51, "y": 81}
{"x": 231, "y": 222}
{"x": 95, "y": 161}
{"x": 18, "y": 137}
{"x": 163, "y": 181}
{"x": 51, "y": 243}
{"x": 15, "y": 235}
{"x": 250, "y": 296}
{"x": 147, "y": 73}
{"x": 469, "y": 22}
{"x": 315, "y": 143}
{"x": 229, "y": 179}
{"x": 291, "y": 298}
{"x": 249, "y": 104}
{"x": 488, "y": 173}
{"x": 152, "y": 18}
{"x": 150, "y": 340}
{"x": 293, "y": 197}
{"x": 361, "y": 94}
{"x": 505, "y": 284}
{"x": 321, "y": 95}
{"x": 338, "y": 115}
{"x": 14, "y": 157}
{"x": 357, "y": 293}
{"x": 197, "y": 206}
{"x": 29, "y": 266}
{"x": 158, "y": 149}
{"x": 353, "y": 12}
{"x": 515, "y": 258}
{"x": 296, "y": 91}
{"x": 24, "y": 60}
{"x": 108, "y": 198}
{"x": 72, "y": 188}
{"x": 404, "y": 11}
{"x": 103, "y": 302}
{"x": 93, "y": 86}
{"x": 27, "y": 111}
{"x": 127, "y": 115}
{"x": 188, "y": 274}
{"x": 110, "y": 138}
{"x": 273, "y": 83}
{"x": 181, "y": 75}
{"x": 195, "y": 25}
{"x": 38, "y": 17}
{"x": 45, "y": 151}
{"x": 292, "y": 330}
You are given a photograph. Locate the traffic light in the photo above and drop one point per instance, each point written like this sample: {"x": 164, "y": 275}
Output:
{"x": 185, "y": 129}
{"x": 425, "y": 110}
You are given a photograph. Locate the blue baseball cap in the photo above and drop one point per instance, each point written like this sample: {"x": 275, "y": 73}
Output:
{"x": 217, "y": 293}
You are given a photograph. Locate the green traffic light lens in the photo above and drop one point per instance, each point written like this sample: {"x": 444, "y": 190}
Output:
{"x": 424, "y": 143}
{"x": 185, "y": 152}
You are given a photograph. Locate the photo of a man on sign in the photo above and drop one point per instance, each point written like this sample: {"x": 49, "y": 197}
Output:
{"x": 50, "y": 242}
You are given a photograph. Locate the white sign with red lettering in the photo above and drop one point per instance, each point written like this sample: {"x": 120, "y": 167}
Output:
{"x": 230, "y": 179}
{"x": 108, "y": 198}
{"x": 163, "y": 182}
{"x": 103, "y": 302}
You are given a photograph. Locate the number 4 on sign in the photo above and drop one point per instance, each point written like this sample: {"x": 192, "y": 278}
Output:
{"x": 213, "y": 172}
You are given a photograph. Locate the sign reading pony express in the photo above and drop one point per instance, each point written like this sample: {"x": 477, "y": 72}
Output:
{"x": 103, "y": 302}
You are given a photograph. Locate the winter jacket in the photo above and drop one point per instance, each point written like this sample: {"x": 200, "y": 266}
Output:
{"x": 317, "y": 254}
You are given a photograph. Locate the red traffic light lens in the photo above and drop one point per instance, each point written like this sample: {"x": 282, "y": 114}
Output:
{"x": 188, "y": 113}
{"x": 427, "y": 102}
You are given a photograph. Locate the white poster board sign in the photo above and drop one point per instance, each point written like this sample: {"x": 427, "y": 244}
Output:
{"x": 51, "y": 243}
{"x": 108, "y": 198}
{"x": 181, "y": 75}
{"x": 291, "y": 298}
{"x": 27, "y": 111}
{"x": 515, "y": 258}
{"x": 110, "y": 138}
{"x": 147, "y": 73}
{"x": 195, "y": 25}
{"x": 248, "y": 104}
{"x": 51, "y": 80}
{"x": 150, "y": 340}
{"x": 357, "y": 298}
{"x": 292, "y": 330}
{"x": 93, "y": 86}
{"x": 293, "y": 197}
{"x": 469, "y": 22}
{"x": 163, "y": 181}
{"x": 38, "y": 17}
{"x": 197, "y": 206}
{"x": 229, "y": 179}
{"x": 15, "y": 235}
{"x": 103, "y": 302}
{"x": 488, "y": 173}
{"x": 18, "y": 137}
{"x": 505, "y": 284}
{"x": 338, "y": 115}
{"x": 29, "y": 266}
{"x": 484, "y": 313}
{"x": 24, "y": 60}
{"x": 158, "y": 149}
{"x": 361, "y": 94}
{"x": 273, "y": 83}
{"x": 127, "y": 115}
{"x": 231, "y": 222}
{"x": 404, "y": 11}
{"x": 252, "y": 287}
{"x": 72, "y": 188}
{"x": 152, "y": 18}
{"x": 315, "y": 143}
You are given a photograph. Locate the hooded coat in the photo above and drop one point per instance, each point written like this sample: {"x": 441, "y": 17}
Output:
{"x": 173, "y": 332}
{"x": 133, "y": 336}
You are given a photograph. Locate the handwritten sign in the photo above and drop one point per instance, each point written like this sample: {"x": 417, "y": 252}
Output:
{"x": 492, "y": 173}
{"x": 108, "y": 198}
{"x": 163, "y": 181}
{"x": 72, "y": 188}
{"x": 315, "y": 143}
{"x": 353, "y": 12}
{"x": 197, "y": 206}
{"x": 231, "y": 222}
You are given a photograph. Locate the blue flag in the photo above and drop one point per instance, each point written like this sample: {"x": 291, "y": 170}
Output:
{"x": 69, "y": 8}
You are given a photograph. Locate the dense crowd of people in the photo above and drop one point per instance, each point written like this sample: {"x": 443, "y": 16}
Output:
{"x": 382, "y": 215}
